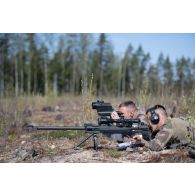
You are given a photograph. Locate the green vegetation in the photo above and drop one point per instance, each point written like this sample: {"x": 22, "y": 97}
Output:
{"x": 34, "y": 73}
{"x": 31, "y": 64}
{"x": 114, "y": 153}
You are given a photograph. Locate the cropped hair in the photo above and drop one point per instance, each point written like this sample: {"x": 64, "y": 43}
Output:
{"x": 157, "y": 106}
{"x": 128, "y": 103}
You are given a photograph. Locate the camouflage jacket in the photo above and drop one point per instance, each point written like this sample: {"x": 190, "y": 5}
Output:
{"x": 174, "y": 131}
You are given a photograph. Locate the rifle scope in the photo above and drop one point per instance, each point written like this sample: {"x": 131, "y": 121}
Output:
{"x": 103, "y": 109}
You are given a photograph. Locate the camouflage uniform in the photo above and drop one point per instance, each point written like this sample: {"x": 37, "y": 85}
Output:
{"x": 174, "y": 131}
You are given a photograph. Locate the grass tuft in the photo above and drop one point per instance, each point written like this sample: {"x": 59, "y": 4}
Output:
{"x": 114, "y": 153}
{"x": 58, "y": 134}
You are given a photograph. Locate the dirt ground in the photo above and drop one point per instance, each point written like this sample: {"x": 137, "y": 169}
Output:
{"x": 62, "y": 151}
{"x": 36, "y": 147}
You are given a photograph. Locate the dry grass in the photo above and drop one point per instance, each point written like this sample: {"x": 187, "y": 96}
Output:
{"x": 12, "y": 109}
{"x": 113, "y": 153}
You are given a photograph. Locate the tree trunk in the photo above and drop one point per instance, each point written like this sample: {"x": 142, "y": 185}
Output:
{"x": 123, "y": 80}
{"x": 35, "y": 83}
{"x": 119, "y": 81}
{"x": 16, "y": 76}
{"x": 1, "y": 75}
{"x": 46, "y": 80}
{"x": 73, "y": 79}
{"x": 29, "y": 81}
{"x": 1, "y": 80}
{"x": 101, "y": 80}
{"x": 55, "y": 84}
{"x": 21, "y": 81}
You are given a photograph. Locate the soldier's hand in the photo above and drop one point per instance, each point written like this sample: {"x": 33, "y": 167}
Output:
{"x": 133, "y": 141}
{"x": 114, "y": 115}
{"x": 138, "y": 137}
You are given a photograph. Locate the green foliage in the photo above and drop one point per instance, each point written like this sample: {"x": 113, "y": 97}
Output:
{"x": 32, "y": 64}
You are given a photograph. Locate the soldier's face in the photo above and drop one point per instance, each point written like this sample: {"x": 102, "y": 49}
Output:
{"x": 128, "y": 113}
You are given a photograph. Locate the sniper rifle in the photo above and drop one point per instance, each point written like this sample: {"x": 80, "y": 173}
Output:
{"x": 106, "y": 125}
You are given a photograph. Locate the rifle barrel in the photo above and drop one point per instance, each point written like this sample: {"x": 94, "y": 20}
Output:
{"x": 93, "y": 128}
{"x": 34, "y": 127}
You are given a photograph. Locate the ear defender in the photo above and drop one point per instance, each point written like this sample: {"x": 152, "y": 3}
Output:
{"x": 154, "y": 117}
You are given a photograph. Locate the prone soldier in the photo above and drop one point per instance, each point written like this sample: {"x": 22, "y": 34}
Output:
{"x": 166, "y": 131}
{"x": 129, "y": 111}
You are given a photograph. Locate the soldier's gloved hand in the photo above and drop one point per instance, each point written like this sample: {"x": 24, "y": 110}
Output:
{"x": 114, "y": 115}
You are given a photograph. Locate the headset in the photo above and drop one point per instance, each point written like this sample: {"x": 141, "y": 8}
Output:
{"x": 154, "y": 118}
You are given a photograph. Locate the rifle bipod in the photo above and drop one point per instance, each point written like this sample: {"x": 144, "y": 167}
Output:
{"x": 95, "y": 144}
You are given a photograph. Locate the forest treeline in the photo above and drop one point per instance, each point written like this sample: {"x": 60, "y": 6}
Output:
{"x": 43, "y": 64}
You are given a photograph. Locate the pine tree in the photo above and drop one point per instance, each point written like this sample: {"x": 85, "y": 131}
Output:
{"x": 103, "y": 49}
{"x": 168, "y": 75}
{"x": 127, "y": 72}
{"x": 153, "y": 79}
